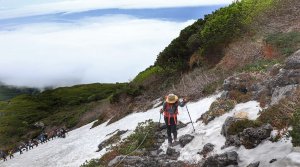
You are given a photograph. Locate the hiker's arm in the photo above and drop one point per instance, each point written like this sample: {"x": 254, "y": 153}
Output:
{"x": 183, "y": 102}
{"x": 163, "y": 108}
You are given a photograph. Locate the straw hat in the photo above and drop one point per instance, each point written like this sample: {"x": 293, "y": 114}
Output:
{"x": 171, "y": 98}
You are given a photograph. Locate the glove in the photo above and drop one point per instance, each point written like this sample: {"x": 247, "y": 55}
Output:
{"x": 161, "y": 111}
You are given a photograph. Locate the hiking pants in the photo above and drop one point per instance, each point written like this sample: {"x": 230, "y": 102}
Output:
{"x": 171, "y": 129}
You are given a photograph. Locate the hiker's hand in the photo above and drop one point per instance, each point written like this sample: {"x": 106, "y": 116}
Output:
{"x": 185, "y": 100}
{"x": 161, "y": 111}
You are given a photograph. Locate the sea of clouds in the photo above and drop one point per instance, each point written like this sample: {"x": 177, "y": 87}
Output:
{"x": 108, "y": 48}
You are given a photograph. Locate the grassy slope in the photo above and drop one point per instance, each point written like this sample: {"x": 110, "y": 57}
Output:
{"x": 58, "y": 107}
{"x": 8, "y": 92}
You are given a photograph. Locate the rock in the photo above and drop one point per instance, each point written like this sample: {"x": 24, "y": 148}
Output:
{"x": 232, "y": 140}
{"x": 129, "y": 160}
{"x": 293, "y": 62}
{"x": 172, "y": 153}
{"x": 181, "y": 125}
{"x": 285, "y": 77}
{"x": 207, "y": 148}
{"x": 222, "y": 160}
{"x": 185, "y": 139}
{"x": 217, "y": 108}
{"x": 282, "y": 92}
{"x": 228, "y": 122}
{"x": 113, "y": 139}
{"x": 241, "y": 115}
{"x": 255, "y": 164}
{"x": 250, "y": 137}
{"x": 273, "y": 160}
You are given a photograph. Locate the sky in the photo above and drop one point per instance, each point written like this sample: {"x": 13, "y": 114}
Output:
{"x": 68, "y": 42}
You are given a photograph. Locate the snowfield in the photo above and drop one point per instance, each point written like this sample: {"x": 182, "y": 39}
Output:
{"x": 80, "y": 144}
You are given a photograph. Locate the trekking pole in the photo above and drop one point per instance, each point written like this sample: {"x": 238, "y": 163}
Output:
{"x": 159, "y": 120}
{"x": 190, "y": 117}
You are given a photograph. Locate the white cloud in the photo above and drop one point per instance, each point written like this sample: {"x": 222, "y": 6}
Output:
{"x": 104, "y": 49}
{"x": 84, "y": 5}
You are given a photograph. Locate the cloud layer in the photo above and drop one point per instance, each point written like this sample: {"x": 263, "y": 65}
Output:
{"x": 84, "y": 5}
{"x": 102, "y": 49}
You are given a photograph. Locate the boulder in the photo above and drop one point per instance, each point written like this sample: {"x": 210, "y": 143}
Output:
{"x": 207, "y": 148}
{"x": 293, "y": 62}
{"x": 185, "y": 139}
{"x": 217, "y": 108}
{"x": 282, "y": 92}
{"x": 222, "y": 160}
{"x": 228, "y": 122}
{"x": 172, "y": 153}
{"x": 250, "y": 137}
{"x": 255, "y": 164}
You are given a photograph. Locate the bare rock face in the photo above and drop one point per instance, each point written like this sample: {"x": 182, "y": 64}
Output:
{"x": 293, "y": 62}
{"x": 222, "y": 160}
{"x": 185, "y": 139}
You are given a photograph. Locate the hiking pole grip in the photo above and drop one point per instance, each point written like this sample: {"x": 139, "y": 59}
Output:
{"x": 190, "y": 117}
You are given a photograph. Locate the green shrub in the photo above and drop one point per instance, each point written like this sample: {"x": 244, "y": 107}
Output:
{"x": 144, "y": 75}
{"x": 286, "y": 43}
{"x": 142, "y": 137}
{"x": 295, "y": 133}
{"x": 211, "y": 88}
{"x": 210, "y": 35}
{"x": 259, "y": 66}
{"x": 240, "y": 125}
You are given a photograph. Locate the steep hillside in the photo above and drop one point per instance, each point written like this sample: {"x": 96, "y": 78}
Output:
{"x": 248, "y": 40}
{"x": 8, "y": 92}
{"x": 61, "y": 107}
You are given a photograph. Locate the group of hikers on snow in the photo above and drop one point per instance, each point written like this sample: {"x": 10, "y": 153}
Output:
{"x": 170, "y": 112}
{"x": 25, "y": 146}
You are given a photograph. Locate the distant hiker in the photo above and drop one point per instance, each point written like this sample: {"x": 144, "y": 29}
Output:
{"x": 3, "y": 155}
{"x": 170, "y": 111}
{"x": 30, "y": 144}
{"x": 11, "y": 154}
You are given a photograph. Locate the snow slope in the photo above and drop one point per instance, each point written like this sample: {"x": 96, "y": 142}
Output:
{"x": 80, "y": 144}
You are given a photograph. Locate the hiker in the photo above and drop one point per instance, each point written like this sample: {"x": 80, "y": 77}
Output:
{"x": 170, "y": 111}
{"x": 11, "y": 154}
{"x": 3, "y": 155}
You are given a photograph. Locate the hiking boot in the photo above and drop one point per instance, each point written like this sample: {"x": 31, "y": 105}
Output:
{"x": 169, "y": 143}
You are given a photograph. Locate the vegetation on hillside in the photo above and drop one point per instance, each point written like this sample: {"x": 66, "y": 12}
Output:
{"x": 203, "y": 43}
{"x": 8, "y": 92}
{"x": 58, "y": 107}
{"x": 143, "y": 137}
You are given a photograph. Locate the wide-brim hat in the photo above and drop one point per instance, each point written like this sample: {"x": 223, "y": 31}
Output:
{"x": 171, "y": 98}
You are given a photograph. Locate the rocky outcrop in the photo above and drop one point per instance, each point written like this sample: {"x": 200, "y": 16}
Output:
{"x": 228, "y": 122}
{"x": 282, "y": 92}
{"x": 249, "y": 137}
{"x": 293, "y": 62}
{"x": 222, "y": 160}
{"x": 217, "y": 108}
{"x": 255, "y": 164}
{"x": 207, "y": 148}
{"x": 276, "y": 83}
{"x": 185, "y": 139}
{"x": 154, "y": 156}
{"x": 113, "y": 139}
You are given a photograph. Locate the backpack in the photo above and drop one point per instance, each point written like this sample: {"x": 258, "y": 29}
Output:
{"x": 170, "y": 109}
